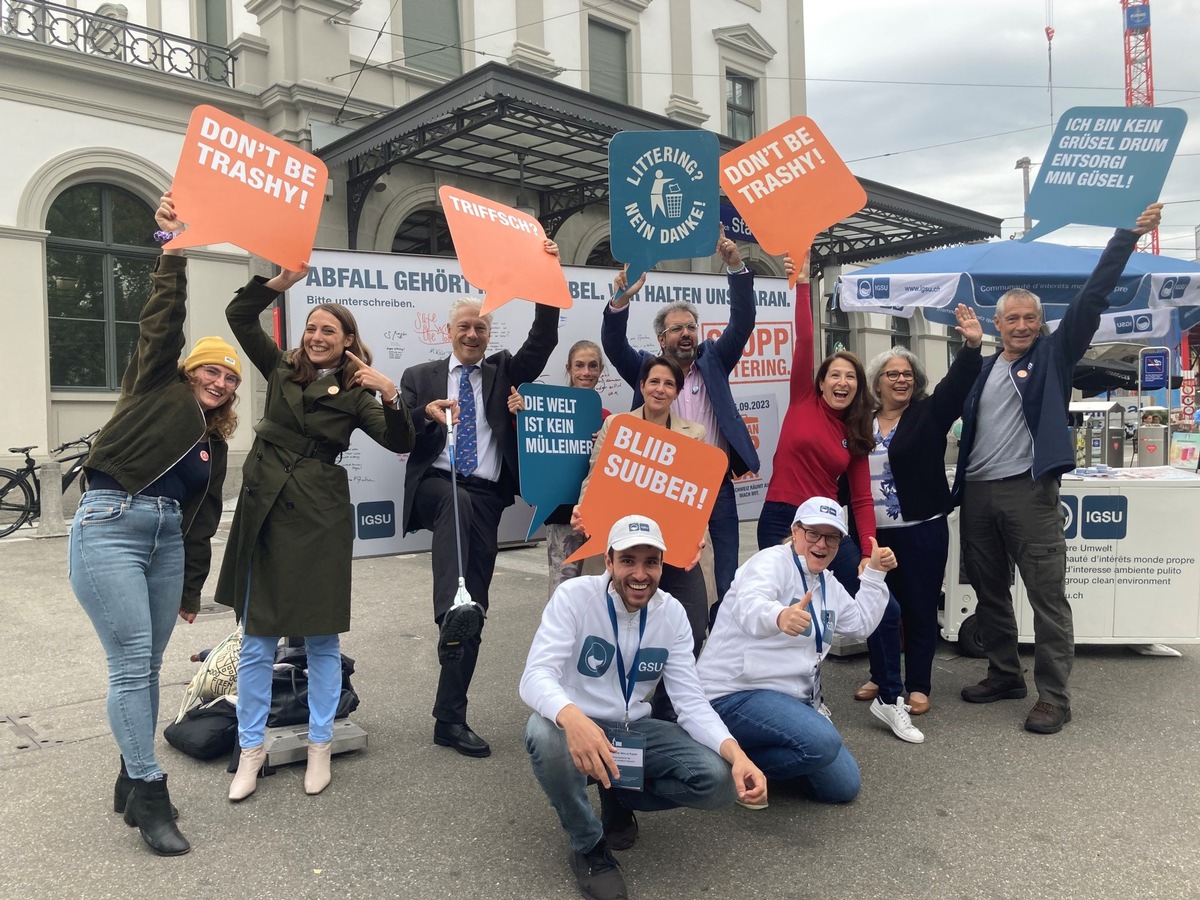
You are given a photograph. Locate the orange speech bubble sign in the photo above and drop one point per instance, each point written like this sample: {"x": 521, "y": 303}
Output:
{"x": 237, "y": 183}
{"x": 502, "y": 252}
{"x": 649, "y": 470}
{"x": 789, "y": 185}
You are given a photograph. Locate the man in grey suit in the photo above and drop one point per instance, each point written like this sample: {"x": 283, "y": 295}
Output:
{"x": 474, "y": 387}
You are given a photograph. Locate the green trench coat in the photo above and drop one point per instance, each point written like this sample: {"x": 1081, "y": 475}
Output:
{"x": 292, "y": 537}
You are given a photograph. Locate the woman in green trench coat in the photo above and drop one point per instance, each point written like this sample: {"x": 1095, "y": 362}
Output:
{"x": 287, "y": 568}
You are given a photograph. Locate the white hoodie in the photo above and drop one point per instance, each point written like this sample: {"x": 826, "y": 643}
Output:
{"x": 746, "y": 650}
{"x": 573, "y": 659}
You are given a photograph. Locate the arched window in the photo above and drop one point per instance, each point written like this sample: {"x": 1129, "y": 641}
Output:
{"x": 425, "y": 232}
{"x": 901, "y": 333}
{"x": 99, "y": 257}
{"x": 601, "y": 255}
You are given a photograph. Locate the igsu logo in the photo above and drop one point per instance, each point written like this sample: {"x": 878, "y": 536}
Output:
{"x": 376, "y": 519}
{"x": 874, "y": 288}
{"x": 1070, "y": 512}
{"x": 1104, "y": 518}
{"x": 595, "y": 656}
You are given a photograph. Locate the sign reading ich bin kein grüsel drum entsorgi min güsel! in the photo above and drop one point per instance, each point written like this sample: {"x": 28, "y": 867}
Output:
{"x": 663, "y": 196}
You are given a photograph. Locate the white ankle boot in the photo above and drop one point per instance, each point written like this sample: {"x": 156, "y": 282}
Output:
{"x": 316, "y": 776}
{"x": 245, "y": 781}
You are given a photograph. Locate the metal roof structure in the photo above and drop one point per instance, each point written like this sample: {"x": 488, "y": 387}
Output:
{"x": 505, "y": 125}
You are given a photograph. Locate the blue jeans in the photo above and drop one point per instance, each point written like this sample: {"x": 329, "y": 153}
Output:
{"x": 678, "y": 772}
{"x": 774, "y": 523}
{"x": 787, "y": 738}
{"x": 126, "y": 568}
{"x": 254, "y": 686}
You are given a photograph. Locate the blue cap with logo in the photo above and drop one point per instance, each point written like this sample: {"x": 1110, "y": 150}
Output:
{"x": 821, "y": 511}
{"x": 633, "y": 531}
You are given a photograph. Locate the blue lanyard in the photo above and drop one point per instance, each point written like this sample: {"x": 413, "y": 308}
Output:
{"x": 815, "y": 623}
{"x": 628, "y": 683}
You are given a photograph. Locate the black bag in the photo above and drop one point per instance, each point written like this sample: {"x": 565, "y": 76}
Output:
{"x": 289, "y": 689}
{"x": 206, "y": 731}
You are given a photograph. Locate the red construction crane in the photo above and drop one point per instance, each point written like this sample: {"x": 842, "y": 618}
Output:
{"x": 1139, "y": 72}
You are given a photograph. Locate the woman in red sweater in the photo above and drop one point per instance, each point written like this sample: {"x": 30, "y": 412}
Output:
{"x": 826, "y": 433}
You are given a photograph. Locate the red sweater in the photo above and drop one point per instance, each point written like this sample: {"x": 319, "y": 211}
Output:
{"x": 812, "y": 453}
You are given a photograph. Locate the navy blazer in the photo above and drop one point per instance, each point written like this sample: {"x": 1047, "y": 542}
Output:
{"x": 421, "y": 384}
{"x": 1043, "y": 374}
{"x": 716, "y": 360}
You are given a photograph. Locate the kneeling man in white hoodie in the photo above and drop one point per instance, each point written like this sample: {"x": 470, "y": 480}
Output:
{"x": 604, "y": 643}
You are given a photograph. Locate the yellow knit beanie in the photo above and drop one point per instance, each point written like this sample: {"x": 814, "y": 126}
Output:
{"x": 212, "y": 351}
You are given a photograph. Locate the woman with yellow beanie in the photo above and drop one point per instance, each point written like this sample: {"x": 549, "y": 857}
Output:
{"x": 140, "y": 541}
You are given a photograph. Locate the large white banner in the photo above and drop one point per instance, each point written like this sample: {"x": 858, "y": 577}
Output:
{"x": 401, "y": 303}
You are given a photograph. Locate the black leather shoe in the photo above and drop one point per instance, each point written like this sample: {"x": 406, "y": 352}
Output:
{"x": 461, "y": 623}
{"x": 149, "y": 808}
{"x": 122, "y": 788}
{"x": 992, "y": 689}
{"x": 1045, "y": 718}
{"x": 459, "y": 736}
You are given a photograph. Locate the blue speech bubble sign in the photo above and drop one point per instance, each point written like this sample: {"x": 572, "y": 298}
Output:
{"x": 554, "y": 445}
{"x": 1104, "y": 165}
{"x": 663, "y": 196}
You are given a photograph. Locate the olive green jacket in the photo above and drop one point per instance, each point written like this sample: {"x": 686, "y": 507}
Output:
{"x": 292, "y": 538}
{"x": 157, "y": 420}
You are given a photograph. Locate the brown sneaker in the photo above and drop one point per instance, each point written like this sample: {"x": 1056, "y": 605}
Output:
{"x": 1045, "y": 718}
{"x": 992, "y": 689}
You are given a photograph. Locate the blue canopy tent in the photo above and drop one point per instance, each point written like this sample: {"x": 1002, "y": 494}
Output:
{"x": 1155, "y": 296}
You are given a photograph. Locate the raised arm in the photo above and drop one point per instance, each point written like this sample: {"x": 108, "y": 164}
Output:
{"x": 742, "y": 312}
{"x": 242, "y": 315}
{"x": 803, "y": 363}
{"x": 951, "y": 392}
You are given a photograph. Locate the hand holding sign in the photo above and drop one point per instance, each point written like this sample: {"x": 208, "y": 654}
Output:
{"x": 237, "y": 183}
{"x": 1103, "y": 166}
{"x": 663, "y": 198}
{"x": 652, "y": 471}
{"x": 503, "y": 251}
{"x": 789, "y": 185}
{"x": 555, "y": 425}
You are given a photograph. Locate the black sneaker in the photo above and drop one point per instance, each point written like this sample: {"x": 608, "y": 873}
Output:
{"x": 1046, "y": 718}
{"x": 461, "y": 623}
{"x": 992, "y": 689}
{"x": 598, "y": 873}
{"x": 620, "y": 824}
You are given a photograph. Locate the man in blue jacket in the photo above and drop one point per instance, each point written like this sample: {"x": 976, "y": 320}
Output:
{"x": 1015, "y": 447}
{"x": 704, "y": 396}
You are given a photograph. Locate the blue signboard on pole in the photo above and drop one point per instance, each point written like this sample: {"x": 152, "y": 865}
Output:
{"x": 1155, "y": 364}
{"x": 735, "y": 226}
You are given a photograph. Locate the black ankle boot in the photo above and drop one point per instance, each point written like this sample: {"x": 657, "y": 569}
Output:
{"x": 149, "y": 808}
{"x": 122, "y": 788}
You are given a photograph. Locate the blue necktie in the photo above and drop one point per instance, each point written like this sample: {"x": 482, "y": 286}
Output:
{"x": 466, "y": 452}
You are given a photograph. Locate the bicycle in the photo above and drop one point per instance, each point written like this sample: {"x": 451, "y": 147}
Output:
{"x": 21, "y": 492}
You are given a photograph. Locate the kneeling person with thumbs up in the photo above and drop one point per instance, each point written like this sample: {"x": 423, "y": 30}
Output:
{"x": 761, "y": 667}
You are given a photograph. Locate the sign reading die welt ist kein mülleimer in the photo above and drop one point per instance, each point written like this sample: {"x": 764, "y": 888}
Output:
{"x": 401, "y": 303}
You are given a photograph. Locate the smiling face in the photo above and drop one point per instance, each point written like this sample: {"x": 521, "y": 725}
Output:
{"x": 659, "y": 391}
{"x": 584, "y": 368}
{"x": 324, "y": 339}
{"x": 1018, "y": 325}
{"x": 679, "y": 336}
{"x": 818, "y": 553}
{"x": 635, "y": 574}
{"x": 895, "y": 384}
{"x": 469, "y": 334}
{"x": 214, "y": 386}
{"x": 839, "y": 385}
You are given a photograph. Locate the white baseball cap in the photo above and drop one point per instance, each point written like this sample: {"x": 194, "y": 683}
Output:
{"x": 631, "y": 531}
{"x": 821, "y": 511}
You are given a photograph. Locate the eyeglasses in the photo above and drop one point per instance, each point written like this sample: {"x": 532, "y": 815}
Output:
{"x": 894, "y": 375}
{"x": 690, "y": 328}
{"x": 214, "y": 374}
{"x": 815, "y": 537}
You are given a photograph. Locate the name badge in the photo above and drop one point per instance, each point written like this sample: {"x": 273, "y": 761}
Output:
{"x": 629, "y": 752}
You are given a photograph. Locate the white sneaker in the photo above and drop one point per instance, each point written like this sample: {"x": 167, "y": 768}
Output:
{"x": 896, "y": 718}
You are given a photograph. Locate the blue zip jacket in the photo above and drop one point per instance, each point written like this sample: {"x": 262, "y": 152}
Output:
{"x": 1042, "y": 376}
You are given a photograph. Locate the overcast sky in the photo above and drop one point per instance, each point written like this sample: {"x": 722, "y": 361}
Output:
{"x": 888, "y": 76}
